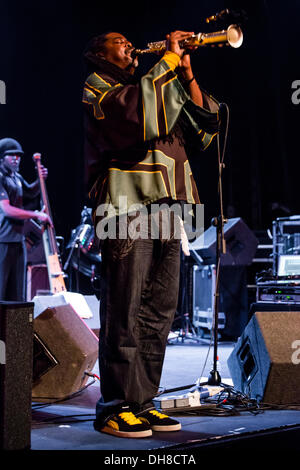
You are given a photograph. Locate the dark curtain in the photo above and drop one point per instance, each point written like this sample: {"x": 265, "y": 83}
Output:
{"x": 41, "y": 64}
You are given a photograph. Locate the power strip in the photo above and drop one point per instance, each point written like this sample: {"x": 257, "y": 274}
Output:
{"x": 187, "y": 400}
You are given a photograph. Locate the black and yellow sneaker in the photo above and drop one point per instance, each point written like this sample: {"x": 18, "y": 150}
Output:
{"x": 124, "y": 424}
{"x": 159, "y": 421}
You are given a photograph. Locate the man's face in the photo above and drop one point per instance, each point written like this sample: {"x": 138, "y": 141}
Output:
{"x": 117, "y": 50}
{"x": 12, "y": 162}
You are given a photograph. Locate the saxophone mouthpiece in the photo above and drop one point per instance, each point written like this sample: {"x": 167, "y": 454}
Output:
{"x": 135, "y": 52}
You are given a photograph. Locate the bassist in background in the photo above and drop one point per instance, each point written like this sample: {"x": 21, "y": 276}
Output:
{"x": 12, "y": 216}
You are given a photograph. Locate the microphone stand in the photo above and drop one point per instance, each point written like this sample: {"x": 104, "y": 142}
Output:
{"x": 74, "y": 245}
{"x": 214, "y": 376}
{"x": 219, "y": 221}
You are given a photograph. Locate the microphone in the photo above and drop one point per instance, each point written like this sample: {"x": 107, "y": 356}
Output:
{"x": 218, "y": 16}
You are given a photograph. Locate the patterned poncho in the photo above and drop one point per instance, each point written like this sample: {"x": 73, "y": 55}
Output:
{"x": 136, "y": 136}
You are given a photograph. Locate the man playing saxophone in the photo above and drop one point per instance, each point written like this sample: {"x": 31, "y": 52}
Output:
{"x": 136, "y": 133}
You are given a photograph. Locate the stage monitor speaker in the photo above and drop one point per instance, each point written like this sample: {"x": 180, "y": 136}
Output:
{"x": 241, "y": 244}
{"x": 265, "y": 362}
{"x": 64, "y": 349}
{"x": 16, "y": 333}
{"x": 76, "y": 300}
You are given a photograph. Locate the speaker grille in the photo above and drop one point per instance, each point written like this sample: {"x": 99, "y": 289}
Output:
{"x": 262, "y": 364}
{"x": 68, "y": 349}
{"x": 16, "y": 375}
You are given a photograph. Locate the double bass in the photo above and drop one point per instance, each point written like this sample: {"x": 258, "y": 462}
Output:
{"x": 55, "y": 272}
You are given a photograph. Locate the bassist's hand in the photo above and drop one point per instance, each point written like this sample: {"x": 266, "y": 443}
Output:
{"x": 44, "y": 171}
{"x": 44, "y": 218}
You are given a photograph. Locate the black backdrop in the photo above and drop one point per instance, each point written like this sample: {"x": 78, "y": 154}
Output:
{"x": 41, "y": 46}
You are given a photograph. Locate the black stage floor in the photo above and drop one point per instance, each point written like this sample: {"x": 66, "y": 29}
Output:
{"x": 68, "y": 426}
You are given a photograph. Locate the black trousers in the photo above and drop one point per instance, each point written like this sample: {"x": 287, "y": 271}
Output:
{"x": 12, "y": 271}
{"x": 138, "y": 302}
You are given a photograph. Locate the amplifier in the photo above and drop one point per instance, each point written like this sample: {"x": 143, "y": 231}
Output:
{"x": 286, "y": 246}
{"x": 34, "y": 242}
{"x": 204, "y": 283}
{"x": 283, "y": 293}
{"x": 37, "y": 280}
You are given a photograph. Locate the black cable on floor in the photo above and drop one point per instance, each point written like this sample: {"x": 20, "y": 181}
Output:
{"x": 61, "y": 400}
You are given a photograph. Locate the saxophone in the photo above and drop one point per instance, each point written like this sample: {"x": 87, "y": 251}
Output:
{"x": 232, "y": 36}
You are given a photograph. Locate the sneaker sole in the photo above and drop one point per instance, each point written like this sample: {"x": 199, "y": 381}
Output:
{"x": 166, "y": 428}
{"x": 131, "y": 434}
